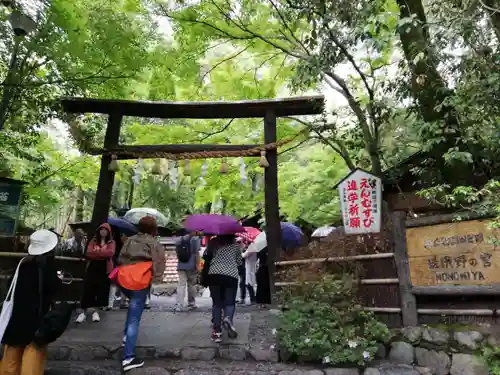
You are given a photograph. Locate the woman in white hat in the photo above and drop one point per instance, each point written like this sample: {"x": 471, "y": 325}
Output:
{"x": 31, "y": 301}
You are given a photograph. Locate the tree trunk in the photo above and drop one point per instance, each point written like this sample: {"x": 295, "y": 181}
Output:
{"x": 494, "y": 12}
{"x": 80, "y": 203}
{"x": 428, "y": 87}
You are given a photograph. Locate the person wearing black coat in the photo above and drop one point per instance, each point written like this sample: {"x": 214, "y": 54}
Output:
{"x": 37, "y": 283}
{"x": 263, "y": 295}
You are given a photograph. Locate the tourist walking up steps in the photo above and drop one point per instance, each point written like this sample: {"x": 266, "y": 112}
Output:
{"x": 250, "y": 258}
{"x": 32, "y": 290}
{"x": 100, "y": 252}
{"x": 242, "y": 290}
{"x": 188, "y": 258}
{"x": 141, "y": 262}
{"x": 222, "y": 260}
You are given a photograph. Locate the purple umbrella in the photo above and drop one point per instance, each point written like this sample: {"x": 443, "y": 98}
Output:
{"x": 213, "y": 224}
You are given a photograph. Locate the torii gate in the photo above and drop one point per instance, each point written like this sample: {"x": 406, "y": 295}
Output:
{"x": 269, "y": 110}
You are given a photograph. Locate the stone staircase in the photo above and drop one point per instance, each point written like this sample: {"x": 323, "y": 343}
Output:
{"x": 179, "y": 344}
{"x": 221, "y": 367}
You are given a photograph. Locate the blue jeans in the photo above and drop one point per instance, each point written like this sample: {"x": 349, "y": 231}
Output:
{"x": 223, "y": 298}
{"x": 137, "y": 302}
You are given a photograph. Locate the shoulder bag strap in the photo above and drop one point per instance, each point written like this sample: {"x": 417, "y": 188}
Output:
{"x": 40, "y": 292}
{"x": 13, "y": 283}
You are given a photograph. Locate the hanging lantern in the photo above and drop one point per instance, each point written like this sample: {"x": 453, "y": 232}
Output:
{"x": 173, "y": 175}
{"x": 243, "y": 171}
{"x": 187, "y": 167}
{"x": 113, "y": 165}
{"x": 223, "y": 167}
{"x": 263, "y": 163}
{"x": 136, "y": 178}
{"x": 204, "y": 170}
{"x": 157, "y": 169}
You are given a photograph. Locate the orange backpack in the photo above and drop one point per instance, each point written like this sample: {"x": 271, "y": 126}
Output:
{"x": 135, "y": 276}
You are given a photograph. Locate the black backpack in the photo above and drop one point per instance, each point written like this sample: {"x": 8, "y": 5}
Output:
{"x": 183, "y": 249}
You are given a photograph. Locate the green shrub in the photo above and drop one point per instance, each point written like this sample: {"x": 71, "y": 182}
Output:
{"x": 323, "y": 322}
{"x": 492, "y": 357}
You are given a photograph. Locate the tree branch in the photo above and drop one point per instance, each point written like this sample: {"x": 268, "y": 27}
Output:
{"x": 341, "y": 149}
{"x": 223, "y": 61}
{"x": 208, "y": 135}
{"x": 297, "y": 145}
{"x": 250, "y": 34}
{"x": 60, "y": 81}
{"x": 68, "y": 165}
{"x": 292, "y": 34}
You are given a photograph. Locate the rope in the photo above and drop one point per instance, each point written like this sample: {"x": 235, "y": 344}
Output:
{"x": 255, "y": 151}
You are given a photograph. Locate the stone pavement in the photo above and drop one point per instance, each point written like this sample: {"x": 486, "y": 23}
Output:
{"x": 179, "y": 344}
{"x": 162, "y": 335}
{"x": 177, "y": 367}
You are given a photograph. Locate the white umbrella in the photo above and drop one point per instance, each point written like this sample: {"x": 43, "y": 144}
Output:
{"x": 323, "y": 231}
{"x": 136, "y": 214}
{"x": 258, "y": 244}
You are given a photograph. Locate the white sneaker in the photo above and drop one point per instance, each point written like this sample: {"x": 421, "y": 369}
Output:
{"x": 95, "y": 317}
{"x": 81, "y": 318}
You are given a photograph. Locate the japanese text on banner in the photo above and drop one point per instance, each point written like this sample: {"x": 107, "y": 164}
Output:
{"x": 360, "y": 202}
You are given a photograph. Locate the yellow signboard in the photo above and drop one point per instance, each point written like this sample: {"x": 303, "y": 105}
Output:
{"x": 459, "y": 253}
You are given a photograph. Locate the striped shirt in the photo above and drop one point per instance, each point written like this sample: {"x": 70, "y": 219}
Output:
{"x": 226, "y": 261}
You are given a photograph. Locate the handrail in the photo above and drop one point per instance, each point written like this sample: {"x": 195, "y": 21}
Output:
{"x": 22, "y": 255}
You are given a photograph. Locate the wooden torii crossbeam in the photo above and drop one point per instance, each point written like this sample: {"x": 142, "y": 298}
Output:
{"x": 269, "y": 110}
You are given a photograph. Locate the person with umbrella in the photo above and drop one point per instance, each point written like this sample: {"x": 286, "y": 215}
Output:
{"x": 220, "y": 272}
{"x": 291, "y": 238}
{"x": 250, "y": 261}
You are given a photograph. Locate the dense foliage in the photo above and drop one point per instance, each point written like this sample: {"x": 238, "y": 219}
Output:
{"x": 324, "y": 323}
{"x": 399, "y": 77}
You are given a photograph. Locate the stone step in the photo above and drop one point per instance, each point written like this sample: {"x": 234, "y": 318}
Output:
{"x": 180, "y": 367}
{"x": 220, "y": 367}
{"x": 93, "y": 352}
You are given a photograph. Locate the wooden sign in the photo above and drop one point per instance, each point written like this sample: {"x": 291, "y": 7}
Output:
{"x": 360, "y": 201}
{"x": 10, "y": 200}
{"x": 459, "y": 253}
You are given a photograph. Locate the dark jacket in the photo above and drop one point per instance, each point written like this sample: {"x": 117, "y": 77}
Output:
{"x": 26, "y": 315}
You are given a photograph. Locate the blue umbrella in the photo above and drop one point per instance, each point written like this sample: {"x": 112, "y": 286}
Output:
{"x": 124, "y": 226}
{"x": 291, "y": 236}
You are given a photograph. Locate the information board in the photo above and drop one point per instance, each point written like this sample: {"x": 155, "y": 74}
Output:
{"x": 459, "y": 253}
{"x": 10, "y": 196}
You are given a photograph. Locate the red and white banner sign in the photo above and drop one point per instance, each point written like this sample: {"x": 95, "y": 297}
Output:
{"x": 361, "y": 202}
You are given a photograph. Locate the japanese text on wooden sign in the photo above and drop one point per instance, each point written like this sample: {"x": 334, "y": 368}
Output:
{"x": 460, "y": 253}
{"x": 360, "y": 199}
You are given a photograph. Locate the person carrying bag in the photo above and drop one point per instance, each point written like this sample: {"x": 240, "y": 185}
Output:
{"x": 141, "y": 262}
{"x": 31, "y": 294}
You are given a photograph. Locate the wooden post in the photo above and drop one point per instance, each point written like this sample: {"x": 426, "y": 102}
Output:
{"x": 106, "y": 177}
{"x": 408, "y": 301}
{"x": 271, "y": 202}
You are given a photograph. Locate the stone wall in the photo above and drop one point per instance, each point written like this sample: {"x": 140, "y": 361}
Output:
{"x": 443, "y": 351}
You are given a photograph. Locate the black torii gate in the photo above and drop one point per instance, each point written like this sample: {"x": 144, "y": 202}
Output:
{"x": 269, "y": 110}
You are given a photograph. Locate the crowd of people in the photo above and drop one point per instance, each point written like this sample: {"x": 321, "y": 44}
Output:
{"x": 117, "y": 266}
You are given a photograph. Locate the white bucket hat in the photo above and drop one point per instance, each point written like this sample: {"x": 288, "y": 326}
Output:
{"x": 42, "y": 241}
